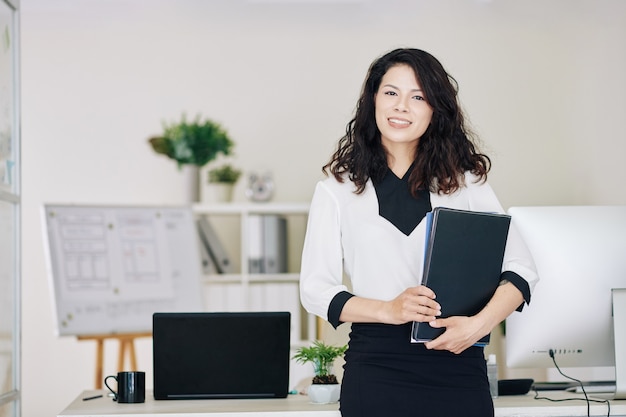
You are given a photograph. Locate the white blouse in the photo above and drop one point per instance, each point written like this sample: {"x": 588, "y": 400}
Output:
{"x": 346, "y": 234}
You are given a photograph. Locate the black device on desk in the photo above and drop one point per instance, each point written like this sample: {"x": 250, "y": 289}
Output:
{"x": 514, "y": 386}
{"x": 221, "y": 355}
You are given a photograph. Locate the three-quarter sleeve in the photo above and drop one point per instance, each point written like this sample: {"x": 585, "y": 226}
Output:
{"x": 321, "y": 272}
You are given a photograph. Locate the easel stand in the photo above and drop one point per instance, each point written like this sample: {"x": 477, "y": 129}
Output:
{"x": 127, "y": 348}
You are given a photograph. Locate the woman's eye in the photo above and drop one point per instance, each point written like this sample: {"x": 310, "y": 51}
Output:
{"x": 418, "y": 97}
{"x": 390, "y": 93}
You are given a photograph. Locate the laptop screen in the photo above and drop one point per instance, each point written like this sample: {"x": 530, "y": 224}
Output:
{"x": 221, "y": 355}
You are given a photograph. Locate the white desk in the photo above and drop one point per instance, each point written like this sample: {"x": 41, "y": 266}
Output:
{"x": 292, "y": 406}
{"x": 299, "y": 406}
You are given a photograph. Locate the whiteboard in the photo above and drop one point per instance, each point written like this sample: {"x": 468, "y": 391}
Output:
{"x": 111, "y": 267}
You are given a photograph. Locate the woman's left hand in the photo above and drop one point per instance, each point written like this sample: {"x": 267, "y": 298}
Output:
{"x": 461, "y": 333}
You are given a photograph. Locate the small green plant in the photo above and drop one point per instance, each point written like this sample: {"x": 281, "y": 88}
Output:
{"x": 224, "y": 174}
{"x": 322, "y": 356}
{"x": 196, "y": 143}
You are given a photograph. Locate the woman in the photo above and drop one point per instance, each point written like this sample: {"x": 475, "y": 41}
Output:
{"x": 405, "y": 152}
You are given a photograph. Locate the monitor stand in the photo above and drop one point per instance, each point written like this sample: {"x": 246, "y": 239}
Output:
{"x": 618, "y": 296}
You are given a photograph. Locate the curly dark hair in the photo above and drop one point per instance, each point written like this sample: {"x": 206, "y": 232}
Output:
{"x": 445, "y": 151}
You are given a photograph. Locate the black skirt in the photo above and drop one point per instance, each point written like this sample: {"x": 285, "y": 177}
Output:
{"x": 387, "y": 376}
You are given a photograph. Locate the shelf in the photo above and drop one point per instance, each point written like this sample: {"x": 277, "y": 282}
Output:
{"x": 251, "y": 208}
{"x": 241, "y": 290}
{"x": 251, "y": 278}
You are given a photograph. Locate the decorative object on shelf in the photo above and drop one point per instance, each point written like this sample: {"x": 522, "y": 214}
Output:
{"x": 325, "y": 387}
{"x": 193, "y": 144}
{"x": 220, "y": 184}
{"x": 260, "y": 187}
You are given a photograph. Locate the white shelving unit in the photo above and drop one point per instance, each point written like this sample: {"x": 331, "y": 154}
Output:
{"x": 245, "y": 291}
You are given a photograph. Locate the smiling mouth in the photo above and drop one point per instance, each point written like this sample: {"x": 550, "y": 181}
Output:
{"x": 399, "y": 121}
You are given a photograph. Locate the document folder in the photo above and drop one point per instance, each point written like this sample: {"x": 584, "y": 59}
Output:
{"x": 463, "y": 263}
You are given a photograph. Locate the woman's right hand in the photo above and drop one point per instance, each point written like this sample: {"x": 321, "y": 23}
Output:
{"x": 413, "y": 304}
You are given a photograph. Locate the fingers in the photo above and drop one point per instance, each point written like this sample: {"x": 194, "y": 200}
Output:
{"x": 423, "y": 302}
{"x": 427, "y": 292}
{"x": 424, "y": 313}
{"x": 415, "y": 304}
{"x": 422, "y": 290}
{"x": 459, "y": 334}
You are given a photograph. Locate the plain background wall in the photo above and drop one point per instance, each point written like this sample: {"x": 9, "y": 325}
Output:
{"x": 542, "y": 82}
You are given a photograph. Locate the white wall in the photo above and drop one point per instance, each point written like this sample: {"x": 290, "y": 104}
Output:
{"x": 542, "y": 81}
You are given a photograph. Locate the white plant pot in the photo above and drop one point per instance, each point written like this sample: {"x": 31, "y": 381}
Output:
{"x": 214, "y": 192}
{"x": 191, "y": 173}
{"x": 324, "y": 393}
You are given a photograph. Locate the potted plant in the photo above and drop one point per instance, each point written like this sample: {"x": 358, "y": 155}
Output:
{"x": 221, "y": 181}
{"x": 225, "y": 174}
{"x": 192, "y": 144}
{"x": 325, "y": 387}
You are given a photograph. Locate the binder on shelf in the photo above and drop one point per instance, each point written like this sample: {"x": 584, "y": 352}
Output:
{"x": 213, "y": 246}
{"x": 206, "y": 261}
{"x": 267, "y": 244}
{"x": 255, "y": 244}
{"x": 463, "y": 263}
{"x": 274, "y": 244}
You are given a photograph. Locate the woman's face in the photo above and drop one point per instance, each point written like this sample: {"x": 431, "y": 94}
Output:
{"x": 402, "y": 113}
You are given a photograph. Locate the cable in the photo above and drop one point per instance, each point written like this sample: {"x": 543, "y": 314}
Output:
{"x": 587, "y": 399}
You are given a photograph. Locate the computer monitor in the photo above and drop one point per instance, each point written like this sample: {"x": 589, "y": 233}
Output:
{"x": 578, "y": 308}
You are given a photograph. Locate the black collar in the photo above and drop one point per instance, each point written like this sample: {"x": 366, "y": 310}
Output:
{"x": 396, "y": 204}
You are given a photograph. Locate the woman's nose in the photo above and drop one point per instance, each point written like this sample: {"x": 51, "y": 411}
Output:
{"x": 401, "y": 105}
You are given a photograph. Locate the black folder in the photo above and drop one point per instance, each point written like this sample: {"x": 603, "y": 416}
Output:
{"x": 463, "y": 263}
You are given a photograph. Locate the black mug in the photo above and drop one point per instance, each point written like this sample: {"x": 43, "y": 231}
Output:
{"x": 131, "y": 387}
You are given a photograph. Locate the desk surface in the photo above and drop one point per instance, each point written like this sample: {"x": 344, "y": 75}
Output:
{"x": 299, "y": 406}
{"x": 292, "y": 406}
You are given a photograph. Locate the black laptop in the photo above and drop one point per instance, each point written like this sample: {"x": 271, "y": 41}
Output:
{"x": 221, "y": 355}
